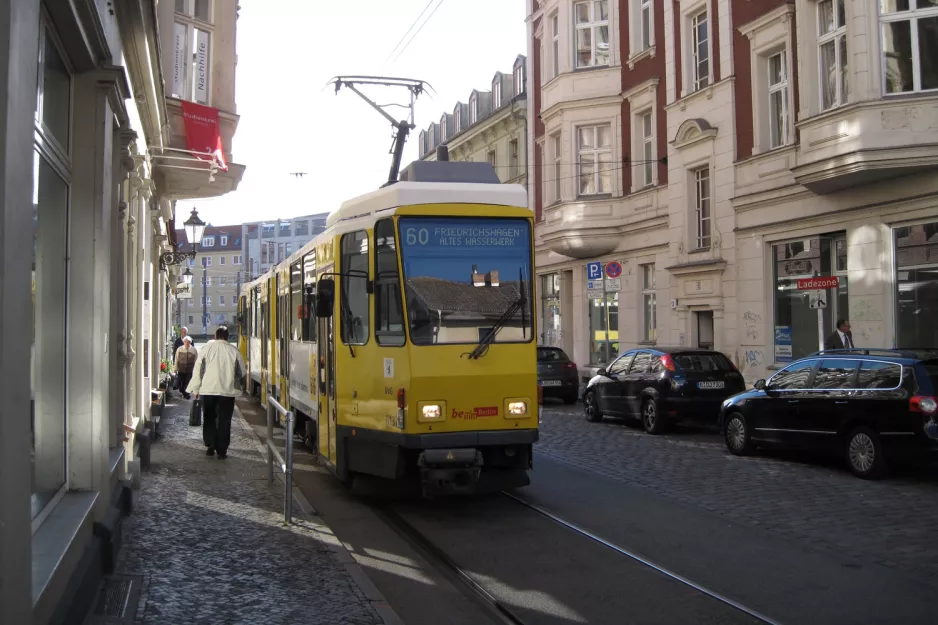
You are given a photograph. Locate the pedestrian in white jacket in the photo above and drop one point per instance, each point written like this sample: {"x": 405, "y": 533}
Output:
{"x": 216, "y": 381}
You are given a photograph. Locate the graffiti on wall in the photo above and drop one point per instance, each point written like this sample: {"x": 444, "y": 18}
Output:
{"x": 752, "y": 326}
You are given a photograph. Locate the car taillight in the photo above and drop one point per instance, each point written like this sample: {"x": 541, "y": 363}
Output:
{"x": 401, "y": 399}
{"x": 923, "y": 404}
{"x": 667, "y": 362}
{"x": 570, "y": 365}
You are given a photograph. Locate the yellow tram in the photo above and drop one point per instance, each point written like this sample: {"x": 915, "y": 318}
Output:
{"x": 404, "y": 335}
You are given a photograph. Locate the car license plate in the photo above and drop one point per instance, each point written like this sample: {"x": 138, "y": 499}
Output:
{"x": 719, "y": 384}
{"x": 550, "y": 382}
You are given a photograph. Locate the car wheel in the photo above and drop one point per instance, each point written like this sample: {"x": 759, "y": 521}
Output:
{"x": 865, "y": 454}
{"x": 570, "y": 398}
{"x": 652, "y": 421}
{"x": 736, "y": 434}
{"x": 591, "y": 407}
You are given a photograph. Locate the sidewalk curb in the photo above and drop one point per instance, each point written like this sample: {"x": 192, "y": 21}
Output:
{"x": 345, "y": 558}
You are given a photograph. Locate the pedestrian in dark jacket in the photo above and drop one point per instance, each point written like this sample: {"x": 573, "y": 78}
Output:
{"x": 841, "y": 338}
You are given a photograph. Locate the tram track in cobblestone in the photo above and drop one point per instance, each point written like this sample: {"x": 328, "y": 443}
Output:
{"x": 496, "y": 609}
{"x": 641, "y": 560}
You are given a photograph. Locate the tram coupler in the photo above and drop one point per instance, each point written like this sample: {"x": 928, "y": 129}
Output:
{"x": 450, "y": 471}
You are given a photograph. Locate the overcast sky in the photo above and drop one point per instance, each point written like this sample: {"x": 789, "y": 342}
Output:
{"x": 291, "y": 122}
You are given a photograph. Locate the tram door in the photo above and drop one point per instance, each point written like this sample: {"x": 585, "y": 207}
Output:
{"x": 327, "y": 407}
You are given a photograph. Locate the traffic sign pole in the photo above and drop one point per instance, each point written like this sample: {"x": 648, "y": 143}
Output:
{"x": 606, "y": 313}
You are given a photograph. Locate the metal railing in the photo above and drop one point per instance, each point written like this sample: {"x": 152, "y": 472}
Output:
{"x": 286, "y": 465}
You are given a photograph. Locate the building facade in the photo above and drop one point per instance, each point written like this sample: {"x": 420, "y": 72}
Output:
{"x": 491, "y": 127}
{"x": 94, "y": 155}
{"x": 267, "y": 243}
{"x": 728, "y": 154}
{"x": 217, "y": 275}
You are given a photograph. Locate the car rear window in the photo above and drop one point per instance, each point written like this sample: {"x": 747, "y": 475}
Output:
{"x": 702, "y": 363}
{"x": 551, "y": 355}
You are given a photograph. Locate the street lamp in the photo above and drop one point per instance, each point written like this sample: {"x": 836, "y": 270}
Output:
{"x": 195, "y": 228}
{"x": 187, "y": 277}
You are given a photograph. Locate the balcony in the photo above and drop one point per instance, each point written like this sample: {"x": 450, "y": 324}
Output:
{"x": 867, "y": 142}
{"x": 595, "y": 227}
{"x": 182, "y": 175}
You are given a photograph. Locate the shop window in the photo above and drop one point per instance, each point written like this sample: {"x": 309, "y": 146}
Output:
{"x": 550, "y": 309}
{"x": 917, "y": 285}
{"x": 604, "y": 328}
{"x": 798, "y": 327}
{"x": 389, "y": 313}
{"x": 355, "y": 317}
{"x": 50, "y": 268}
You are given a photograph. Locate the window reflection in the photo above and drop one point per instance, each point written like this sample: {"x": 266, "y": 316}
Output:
{"x": 917, "y": 285}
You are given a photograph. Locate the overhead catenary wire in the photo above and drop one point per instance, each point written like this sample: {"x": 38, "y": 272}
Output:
{"x": 407, "y": 32}
{"x": 414, "y": 36}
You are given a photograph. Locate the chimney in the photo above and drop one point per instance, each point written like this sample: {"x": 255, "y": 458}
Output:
{"x": 442, "y": 153}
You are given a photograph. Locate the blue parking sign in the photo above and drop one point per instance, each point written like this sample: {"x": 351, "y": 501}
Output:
{"x": 594, "y": 271}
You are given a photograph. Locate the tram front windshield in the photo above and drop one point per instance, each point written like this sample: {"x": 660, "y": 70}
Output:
{"x": 466, "y": 275}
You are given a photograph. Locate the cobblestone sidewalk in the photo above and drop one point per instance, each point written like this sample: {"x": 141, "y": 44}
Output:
{"x": 208, "y": 540}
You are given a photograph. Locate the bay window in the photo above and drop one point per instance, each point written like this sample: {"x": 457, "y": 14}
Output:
{"x": 702, "y": 214}
{"x": 910, "y": 45}
{"x": 700, "y": 50}
{"x": 649, "y": 304}
{"x": 778, "y": 100}
{"x": 648, "y": 148}
{"x": 555, "y": 45}
{"x": 557, "y": 151}
{"x": 594, "y": 159}
{"x": 832, "y": 53}
{"x": 591, "y": 33}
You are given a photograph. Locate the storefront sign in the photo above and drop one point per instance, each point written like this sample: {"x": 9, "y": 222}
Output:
{"x": 797, "y": 267}
{"x": 202, "y": 132}
{"x": 782, "y": 343}
{"x": 822, "y": 282}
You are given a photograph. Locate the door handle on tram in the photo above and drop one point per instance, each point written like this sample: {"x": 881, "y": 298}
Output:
{"x": 794, "y": 401}
{"x": 842, "y": 402}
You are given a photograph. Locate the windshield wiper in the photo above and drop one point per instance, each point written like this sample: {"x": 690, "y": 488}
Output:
{"x": 489, "y": 337}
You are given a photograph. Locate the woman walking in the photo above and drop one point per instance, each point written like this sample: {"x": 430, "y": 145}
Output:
{"x": 185, "y": 365}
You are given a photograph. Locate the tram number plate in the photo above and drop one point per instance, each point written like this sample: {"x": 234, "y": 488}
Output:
{"x": 719, "y": 384}
{"x": 550, "y": 382}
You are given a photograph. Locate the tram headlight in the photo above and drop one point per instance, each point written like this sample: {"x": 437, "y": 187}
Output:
{"x": 432, "y": 411}
{"x": 517, "y": 408}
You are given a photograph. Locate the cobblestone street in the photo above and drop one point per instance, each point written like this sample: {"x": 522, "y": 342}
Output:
{"x": 208, "y": 539}
{"x": 891, "y": 522}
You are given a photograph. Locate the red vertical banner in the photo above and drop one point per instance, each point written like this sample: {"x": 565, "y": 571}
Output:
{"x": 203, "y": 134}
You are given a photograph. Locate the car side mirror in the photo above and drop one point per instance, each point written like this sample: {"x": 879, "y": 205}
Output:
{"x": 759, "y": 385}
{"x": 602, "y": 372}
{"x": 325, "y": 298}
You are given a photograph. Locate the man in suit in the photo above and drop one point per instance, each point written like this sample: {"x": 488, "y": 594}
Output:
{"x": 841, "y": 338}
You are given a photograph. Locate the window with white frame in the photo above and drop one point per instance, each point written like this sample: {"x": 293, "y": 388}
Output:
{"x": 206, "y": 261}
{"x": 647, "y": 129}
{"x": 221, "y": 280}
{"x": 443, "y": 128}
{"x": 702, "y": 215}
{"x": 594, "y": 159}
{"x": 431, "y": 138}
{"x": 513, "y": 159}
{"x": 644, "y": 26}
{"x": 649, "y": 304}
{"x": 457, "y": 120}
{"x": 555, "y": 45}
{"x": 518, "y": 79}
{"x": 208, "y": 300}
{"x": 700, "y": 50}
{"x": 192, "y": 44}
{"x": 492, "y": 160}
{"x": 556, "y": 151}
{"x": 473, "y": 110}
{"x": 236, "y": 259}
{"x": 778, "y": 100}
{"x": 832, "y": 53}
{"x": 910, "y": 45}
{"x": 497, "y": 92}
{"x": 221, "y": 300}
{"x": 592, "y": 33}
{"x": 208, "y": 241}
{"x": 224, "y": 240}
{"x": 221, "y": 260}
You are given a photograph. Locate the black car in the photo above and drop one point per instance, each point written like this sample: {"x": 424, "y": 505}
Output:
{"x": 557, "y": 374}
{"x": 663, "y": 385}
{"x": 871, "y": 406}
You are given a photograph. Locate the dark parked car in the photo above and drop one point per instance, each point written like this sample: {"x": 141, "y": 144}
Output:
{"x": 871, "y": 406}
{"x": 663, "y": 385}
{"x": 557, "y": 374}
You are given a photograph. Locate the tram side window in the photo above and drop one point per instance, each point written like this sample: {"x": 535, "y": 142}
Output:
{"x": 389, "y": 314}
{"x": 297, "y": 309}
{"x": 309, "y": 294}
{"x": 355, "y": 321}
